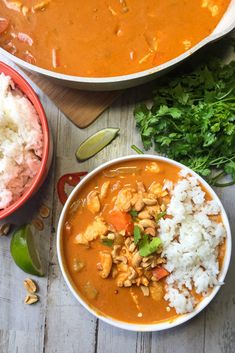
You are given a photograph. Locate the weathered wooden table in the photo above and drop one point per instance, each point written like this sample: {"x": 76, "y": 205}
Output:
{"x": 58, "y": 324}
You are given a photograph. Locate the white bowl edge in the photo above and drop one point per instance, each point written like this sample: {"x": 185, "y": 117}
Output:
{"x": 165, "y": 324}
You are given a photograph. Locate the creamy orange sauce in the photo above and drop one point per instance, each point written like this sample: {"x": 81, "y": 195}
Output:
{"x": 112, "y": 301}
{"x": 105, "y": 38}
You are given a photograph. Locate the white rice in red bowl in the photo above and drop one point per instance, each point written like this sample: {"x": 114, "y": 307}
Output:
{"x": 24, "y": 145}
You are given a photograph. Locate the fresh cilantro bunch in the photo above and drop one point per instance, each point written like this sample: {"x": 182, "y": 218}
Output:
{"x": 192, "y": 120}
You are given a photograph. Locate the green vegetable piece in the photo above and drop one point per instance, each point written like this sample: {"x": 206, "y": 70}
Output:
{"x": 96, "y": 143}
{"x": 133, "y": 214}
{"x": 160, "y": 215}
{"x": 147, "y": 247}
{"x": 107, "y": 242}
{"x": 136, "y": 149}
{"x": 90, "y": 291}
{"x": 137, "y": 234}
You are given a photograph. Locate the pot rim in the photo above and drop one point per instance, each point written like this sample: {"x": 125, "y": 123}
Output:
{"x": 124, "y": 78}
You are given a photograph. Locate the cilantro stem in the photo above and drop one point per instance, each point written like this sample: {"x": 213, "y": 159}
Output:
{"x": 175, "y": 125}
{"x": 221, "y": 160}
{"x": 226, "y": 95}
{"x": 219, "y": 185}
{"x": 217, "y": 177}
{"x": 136, "y": 149}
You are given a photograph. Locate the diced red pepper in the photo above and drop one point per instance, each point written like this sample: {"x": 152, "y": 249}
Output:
{"x": 160, "y": 272}
{"x": 121, "y": 221}
{"x": 71, "y": 179}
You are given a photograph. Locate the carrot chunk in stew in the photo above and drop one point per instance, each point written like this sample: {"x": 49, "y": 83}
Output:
{"x": 121, "y": 221}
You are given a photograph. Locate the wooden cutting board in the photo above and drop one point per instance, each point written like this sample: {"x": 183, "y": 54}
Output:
{"x": 81, "y": 107}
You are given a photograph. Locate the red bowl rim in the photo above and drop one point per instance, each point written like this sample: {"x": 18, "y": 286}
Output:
{"x": 21, "y": 81}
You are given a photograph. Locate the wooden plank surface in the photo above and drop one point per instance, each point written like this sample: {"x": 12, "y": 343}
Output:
{"x": 58, "y": 324}
{"x": 81, "y": 107}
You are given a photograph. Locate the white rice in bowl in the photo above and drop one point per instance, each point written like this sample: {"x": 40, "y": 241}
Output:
{"x": 21, "y": 142}
{"x": 191, "y": 240}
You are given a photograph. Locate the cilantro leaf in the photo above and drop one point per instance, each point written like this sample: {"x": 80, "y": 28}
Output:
{"x": 133, "y": 214}
{"x": 107, "y": 242}
{"x": 147, "y": 247}
{"x": 137, "y": 234}
{"x": 230, "y": 169}
{"x": 160, "y": 215}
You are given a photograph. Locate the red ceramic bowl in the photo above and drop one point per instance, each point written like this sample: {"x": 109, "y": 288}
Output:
{"x": 24, "y": 86}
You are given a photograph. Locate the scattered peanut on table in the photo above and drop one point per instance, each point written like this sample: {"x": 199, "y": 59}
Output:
{"x": 32, "y": 288}
{"x": 5, "y": 229}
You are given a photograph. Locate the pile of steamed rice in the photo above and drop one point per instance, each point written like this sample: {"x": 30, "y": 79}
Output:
{"x": 21, "y": 142}
{"x": 191, "y": 240}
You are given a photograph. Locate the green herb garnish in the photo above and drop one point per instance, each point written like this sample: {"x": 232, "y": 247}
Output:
{"x": 134, "y": 214}
{"x": 147, "y": 246}
{"x": 107, "y": 242}
{"x": 137, "y": 234}
{"x": 160, "y": 215}
{"x": 192, "y": 119}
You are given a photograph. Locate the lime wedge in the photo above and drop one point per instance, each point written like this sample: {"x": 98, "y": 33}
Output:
{"x": 24, "y": 252}
{"x": 96, "y": 143}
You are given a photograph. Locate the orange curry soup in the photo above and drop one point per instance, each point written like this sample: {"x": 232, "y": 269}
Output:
{"x": 139, "y": 296}
{"x": 105, "y": 38}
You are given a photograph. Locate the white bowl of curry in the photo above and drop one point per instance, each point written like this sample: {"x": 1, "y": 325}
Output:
{"x": 128, "y": 42}
{"x": 143, "y": 243}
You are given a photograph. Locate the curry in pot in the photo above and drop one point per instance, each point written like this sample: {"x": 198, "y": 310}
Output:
{"x": 105, "y": 38}
{"x": 111, "y": 245}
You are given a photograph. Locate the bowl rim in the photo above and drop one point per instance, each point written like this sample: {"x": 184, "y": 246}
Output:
{"x": 163, "y": 325}
{"x": 8, "y": 70}
{"x": 128, "y": 77}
